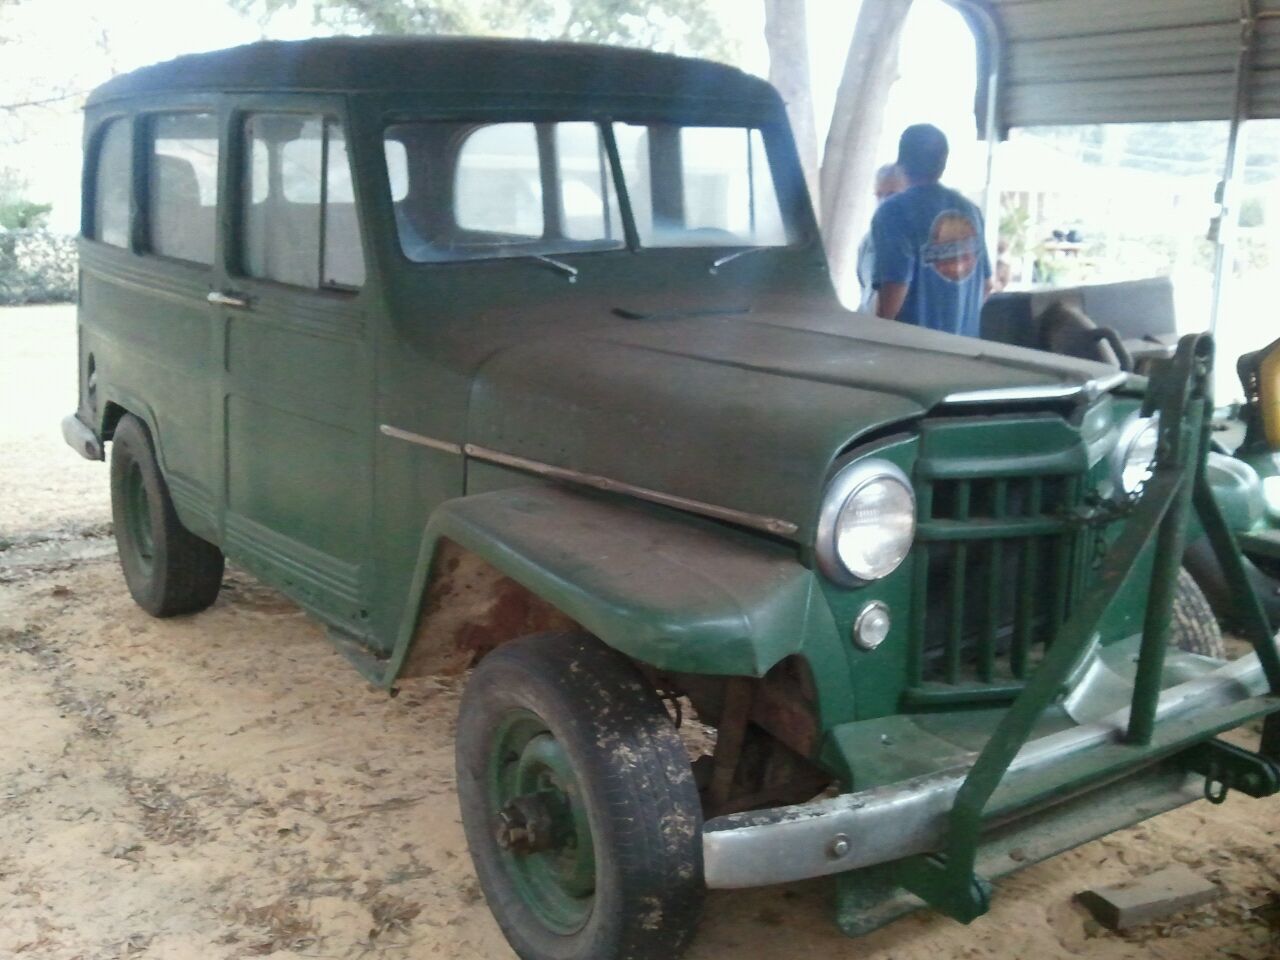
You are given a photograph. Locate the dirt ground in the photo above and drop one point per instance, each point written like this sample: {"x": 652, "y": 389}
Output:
{"x": 225, "y": 786}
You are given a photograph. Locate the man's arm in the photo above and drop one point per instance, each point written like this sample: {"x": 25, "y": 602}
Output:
{"x": 892, "y": 297}
{"x": 894, "y": 259}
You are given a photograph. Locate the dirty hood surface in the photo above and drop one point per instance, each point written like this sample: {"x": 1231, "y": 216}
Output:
{"x": 742, "y": 411}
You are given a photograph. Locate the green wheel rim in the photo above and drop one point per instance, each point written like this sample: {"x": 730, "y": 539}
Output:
{"x": 533, "y": 787}
{"x": 138, "y": 516}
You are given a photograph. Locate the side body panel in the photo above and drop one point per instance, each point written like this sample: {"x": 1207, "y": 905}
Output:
{"x": 297, "y": 403}
{"x": 147, "y": 327}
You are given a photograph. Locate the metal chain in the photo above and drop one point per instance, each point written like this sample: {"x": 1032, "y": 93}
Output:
{"x": 1103, "y": 511}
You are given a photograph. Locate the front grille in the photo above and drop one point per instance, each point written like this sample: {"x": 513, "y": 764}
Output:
{"x": 1000, "y": 555}
{"x": 998, "y": 577}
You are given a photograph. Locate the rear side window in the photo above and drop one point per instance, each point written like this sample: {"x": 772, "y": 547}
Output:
{"x": 112, "y": 178}
{"x": 298, "y": 213}
{"x": 182, "y": 186}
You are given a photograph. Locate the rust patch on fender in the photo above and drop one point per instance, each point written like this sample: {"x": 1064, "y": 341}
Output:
{"x": 471, "y": 607}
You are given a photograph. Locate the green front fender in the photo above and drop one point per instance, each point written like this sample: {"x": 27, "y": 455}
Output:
{"x": 678, "y": 592}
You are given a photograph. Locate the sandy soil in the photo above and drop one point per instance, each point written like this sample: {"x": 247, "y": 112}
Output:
{"x": 225, "y": 786}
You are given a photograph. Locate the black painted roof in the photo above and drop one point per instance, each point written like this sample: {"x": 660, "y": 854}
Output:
{"x": 439, "y": 64}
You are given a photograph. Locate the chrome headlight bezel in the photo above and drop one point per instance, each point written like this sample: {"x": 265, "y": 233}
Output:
{"x": 1131, "y": 431}
{"x": 844, "y": 487}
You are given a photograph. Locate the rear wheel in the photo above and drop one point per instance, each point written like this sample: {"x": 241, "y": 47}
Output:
{"x": 579, "y": 804}
{"x": 168, "y": 569}
{"x": 1194, "y": 628}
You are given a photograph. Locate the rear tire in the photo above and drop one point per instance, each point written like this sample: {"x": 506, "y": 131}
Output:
{"x": 1194, "y": 628}
{"x": 579, "y": 804}
{"x": 168, "y": 569}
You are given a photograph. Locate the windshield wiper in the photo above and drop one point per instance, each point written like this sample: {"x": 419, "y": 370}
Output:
{"x": 730, "y": 257}
{"x": 569, "y": 271}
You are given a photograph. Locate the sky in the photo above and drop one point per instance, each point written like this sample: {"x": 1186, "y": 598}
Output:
{"x": 69, "y": 46}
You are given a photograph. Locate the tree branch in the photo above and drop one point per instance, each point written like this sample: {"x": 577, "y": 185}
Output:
{"x": 44, "y": 101}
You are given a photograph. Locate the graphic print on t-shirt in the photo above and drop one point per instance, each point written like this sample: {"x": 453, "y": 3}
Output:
{"x": 952, "y": 250}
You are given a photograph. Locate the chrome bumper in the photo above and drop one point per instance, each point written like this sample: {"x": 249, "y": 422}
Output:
{"x": 897, "y": 820}
{"x": 81, "y": 439}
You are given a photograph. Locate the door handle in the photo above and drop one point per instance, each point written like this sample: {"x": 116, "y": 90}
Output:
{"x": 220, "y": 299}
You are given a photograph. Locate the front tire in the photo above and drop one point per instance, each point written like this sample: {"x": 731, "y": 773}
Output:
{"x": 579, "y": 804}
{"x": 168, "y": 569}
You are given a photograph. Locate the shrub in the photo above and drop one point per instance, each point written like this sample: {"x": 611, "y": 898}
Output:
{"x": 37, "y": 266}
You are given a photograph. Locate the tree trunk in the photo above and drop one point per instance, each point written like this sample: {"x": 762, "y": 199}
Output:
{"x": 849, "y": 160}
{"x": 787, "y": 36}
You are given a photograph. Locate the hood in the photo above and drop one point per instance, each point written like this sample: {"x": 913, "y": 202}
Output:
{"x": 746, "y": 412}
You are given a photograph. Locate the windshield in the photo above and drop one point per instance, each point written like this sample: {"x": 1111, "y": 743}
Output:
{"x": 464, "y": 191}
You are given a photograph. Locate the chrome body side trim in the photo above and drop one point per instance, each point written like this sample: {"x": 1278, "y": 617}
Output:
{"x": 234, "y": 300}
{"x": 1049, "y": 391}
{"x": 420, "y": 440}
{"x": 897, "y": 820}
{"x": 752, "y": 520}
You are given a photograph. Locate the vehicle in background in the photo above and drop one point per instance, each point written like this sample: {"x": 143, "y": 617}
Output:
{"x": 1131, "y": 325}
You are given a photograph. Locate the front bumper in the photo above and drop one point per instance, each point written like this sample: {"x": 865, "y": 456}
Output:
{"x": 890, "y": 822}
{"x": 81, "y": 438}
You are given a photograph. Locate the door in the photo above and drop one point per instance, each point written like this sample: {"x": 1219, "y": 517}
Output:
{"x": 298, "y": 365}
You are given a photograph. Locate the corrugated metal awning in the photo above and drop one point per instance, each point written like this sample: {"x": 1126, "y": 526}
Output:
{"x": 1125, "y": 61}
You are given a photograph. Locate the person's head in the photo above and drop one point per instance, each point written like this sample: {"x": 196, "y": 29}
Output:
{"x": 889, "y": 180}
{"x": 922, "y": 153}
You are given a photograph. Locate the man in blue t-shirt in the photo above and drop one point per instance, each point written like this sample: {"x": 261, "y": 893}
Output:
{"x": 931, "y": 261}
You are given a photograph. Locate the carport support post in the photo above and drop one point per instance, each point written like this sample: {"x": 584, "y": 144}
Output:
{"x": 1223, "y": 242}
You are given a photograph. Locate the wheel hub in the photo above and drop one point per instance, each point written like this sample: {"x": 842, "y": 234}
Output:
{"x": 525, "y": 824}
{"x": 540, "y": 824}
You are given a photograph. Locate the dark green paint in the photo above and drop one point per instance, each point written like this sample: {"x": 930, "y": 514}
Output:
{"x": 745, "y": 389}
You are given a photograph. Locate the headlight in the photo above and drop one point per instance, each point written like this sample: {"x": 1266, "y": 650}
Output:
{"x": 867, "y": 523}
{"x": 1135, "y": 452}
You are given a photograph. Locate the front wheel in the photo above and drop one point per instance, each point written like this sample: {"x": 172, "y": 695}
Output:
{"x": 579, "y": 804}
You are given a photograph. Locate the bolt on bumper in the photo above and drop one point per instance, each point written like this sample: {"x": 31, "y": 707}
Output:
{"x": 890, "y": 822}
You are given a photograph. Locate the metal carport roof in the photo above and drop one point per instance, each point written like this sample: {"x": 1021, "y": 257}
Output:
{"x": 1124, "y": 61}
{"x": 1065, "y": 62}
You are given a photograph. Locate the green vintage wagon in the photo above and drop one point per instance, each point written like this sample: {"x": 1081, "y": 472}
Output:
{"x": 525, "y": 357}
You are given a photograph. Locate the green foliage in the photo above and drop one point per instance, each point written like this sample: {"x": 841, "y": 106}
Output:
{"x": 678, "y": 26}
{"x": 16, "y": 211}
{"x": 23, "y": 214}
{"x": 37, "y": 266}
{"x": 1015, "y": 225}
{"x": 1253, "y": 212}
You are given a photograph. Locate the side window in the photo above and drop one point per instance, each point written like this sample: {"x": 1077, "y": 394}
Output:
{"x": 498, "y": 183}
{"x": 343, "y": 261}
{"x": 298, "y": 213}
{"x": 182, "y": 186}
{"x": 111, "y": 184}
{"x": 397, "y": 169}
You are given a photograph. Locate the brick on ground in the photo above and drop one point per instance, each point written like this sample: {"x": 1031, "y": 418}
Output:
{"x": 1148, "y": 899}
